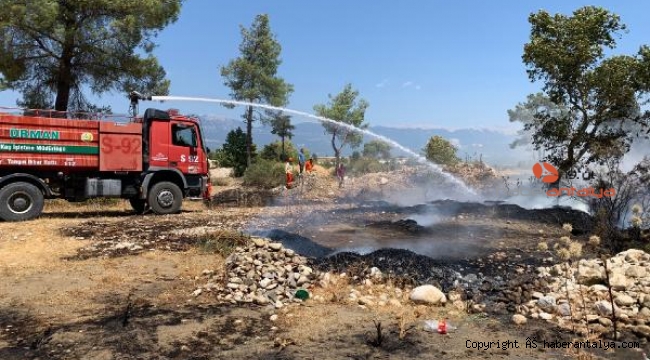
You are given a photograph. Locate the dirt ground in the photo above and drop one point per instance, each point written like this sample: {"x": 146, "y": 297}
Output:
{"x": 98, "y": 282}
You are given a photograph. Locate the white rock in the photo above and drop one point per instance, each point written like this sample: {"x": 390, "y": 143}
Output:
{"x": 619, "y": 281}
{"x": 428, "y": 294}
{"x": 265, "y": 282}
{"x": 644, "y": 313}
{"x": 518, "y": 319}
{"x": 632, "y": 255}
{"x": 545, "y": 316}
{"x": 547, "y": 303}
{"x": 604, "y": 308}
{"x": 564, "y": 309}
{"x": 598, "y": 288}
{"x": 258, "y": 242}
{"x": 624, "y": 300}
{"x": 635, "y": 271}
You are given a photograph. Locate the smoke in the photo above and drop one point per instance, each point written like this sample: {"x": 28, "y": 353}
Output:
{"x": 544, "y": 202}
{"x": 433, "y": 248}
{"x": 638, "y": 151}
{"x": 426, "y": 220}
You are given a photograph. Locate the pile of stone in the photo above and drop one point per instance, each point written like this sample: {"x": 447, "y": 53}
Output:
{"x": 578, "y": 294}
{"x": 473, "y": 173}
{"x": 264, "y": 273}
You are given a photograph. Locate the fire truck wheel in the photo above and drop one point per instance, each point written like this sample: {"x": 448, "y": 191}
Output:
{"x": 138, "y": 205}
{"x": 165, "y": 198}
{"x": 20, "y": 201}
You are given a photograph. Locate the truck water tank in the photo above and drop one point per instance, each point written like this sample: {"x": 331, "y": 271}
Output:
{"x": 103, "y": 187}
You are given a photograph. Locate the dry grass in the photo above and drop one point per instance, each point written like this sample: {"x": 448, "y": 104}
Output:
{"x": 33, "y": 247}
{"x": 565, "y": 240}
{"x": 222, "y": 181}
{"x": 90, "y": 206}
{"x": 32, "y": 259}
{"x": 564, "y": 254}
{"x": 222, "y": 242}
{"x": 542, "y": 246}
{"x": 98, "y": 206}
{"x": 334, "y": 289}
{"x": 575, "y": 249}
{"x": 594, "y": 240}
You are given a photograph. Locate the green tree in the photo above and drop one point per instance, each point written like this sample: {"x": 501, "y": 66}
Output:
{"x": 277, "y": 151}
{"x": 234, "y": 154}
{"x": 252, "y": 77}
{"x": 344, "y": 108}
{"x": 282, "y": 127}
{"x": 440, "y": 151}
{"x": 376, "y": 149}
{"x": 54, "y": 49}
{"x": 598, "y": 96}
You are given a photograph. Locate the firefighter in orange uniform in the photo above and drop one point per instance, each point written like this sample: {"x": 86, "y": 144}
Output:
{"x": 288, "y": 169}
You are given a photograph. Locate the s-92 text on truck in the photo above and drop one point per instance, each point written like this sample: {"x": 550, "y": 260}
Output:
{"x": 154, "y": 161}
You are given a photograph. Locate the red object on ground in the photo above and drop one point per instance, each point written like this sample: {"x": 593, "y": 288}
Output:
{"x": 442, "y": 327}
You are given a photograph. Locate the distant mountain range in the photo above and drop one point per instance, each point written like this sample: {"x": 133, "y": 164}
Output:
{"x": 492, "y": 145}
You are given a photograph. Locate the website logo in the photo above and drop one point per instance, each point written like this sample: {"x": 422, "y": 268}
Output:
{"x": 546, "y": 172}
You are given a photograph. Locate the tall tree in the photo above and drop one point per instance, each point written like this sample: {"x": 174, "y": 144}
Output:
{"x": 53, "y": 50}
{"x": 252, "y": 77}
{"x": 344, "y": 108}
{"x": 601, "y": 95}
{"x": 233, "y": 151}
{"x": 282, "y": 127}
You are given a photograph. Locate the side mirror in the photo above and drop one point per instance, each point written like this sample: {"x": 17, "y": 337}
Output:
{"x": 208, "y": 150}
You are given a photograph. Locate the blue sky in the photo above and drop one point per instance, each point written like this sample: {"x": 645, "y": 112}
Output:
{"x": 418, "y": 63}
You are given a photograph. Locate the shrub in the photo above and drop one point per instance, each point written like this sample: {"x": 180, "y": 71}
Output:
{"x": 265, "y": 174}
{"x": 221, "y": 242}
{"x": 563, "y": 254}
{"x": 441, "y": 151}
{"x": 366, "y": 165}
{"x": 221, "y": 181}
{"x": 565, "y": 240}
{"x": 575, "y": 249}
{"x": 273, "y": 151}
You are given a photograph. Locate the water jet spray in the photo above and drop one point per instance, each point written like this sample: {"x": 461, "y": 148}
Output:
{"x": 421, "y": 159}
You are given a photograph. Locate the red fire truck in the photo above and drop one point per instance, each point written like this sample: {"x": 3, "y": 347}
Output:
{"x": 154, "y": 161}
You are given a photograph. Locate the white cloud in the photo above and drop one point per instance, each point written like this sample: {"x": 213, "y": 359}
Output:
{"x": 382, "y": 83}
{"x": 455, "y": 142}
{"x": 407, "y": 84}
